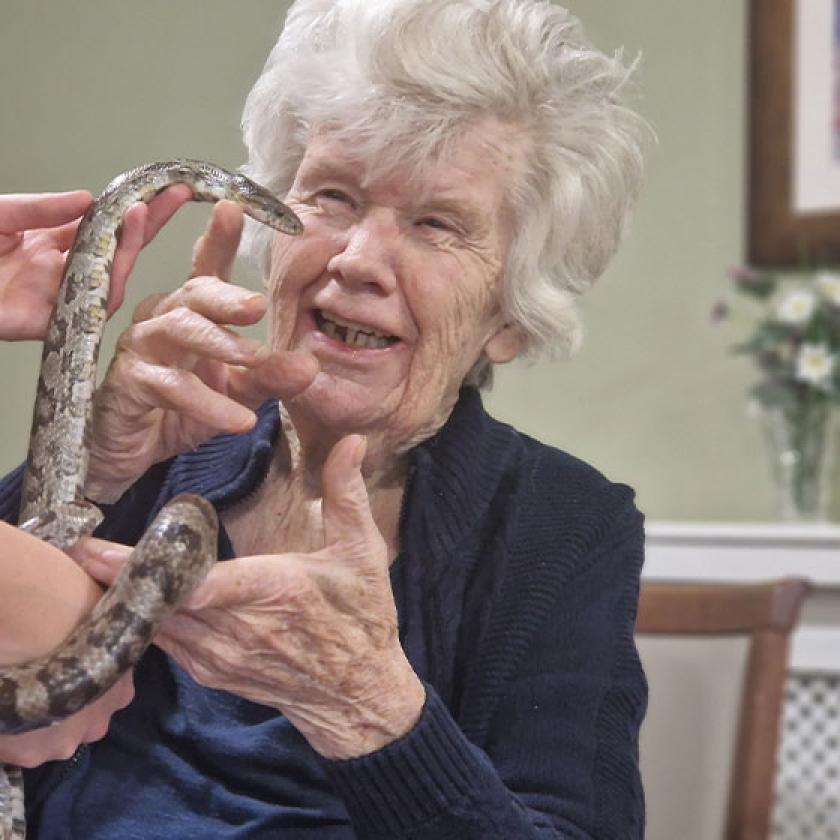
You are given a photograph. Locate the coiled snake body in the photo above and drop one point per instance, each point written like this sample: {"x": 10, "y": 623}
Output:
{"x": 179, "y": 546}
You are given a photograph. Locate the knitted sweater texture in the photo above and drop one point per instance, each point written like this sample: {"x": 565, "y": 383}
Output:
{"x": 516, "y": 589}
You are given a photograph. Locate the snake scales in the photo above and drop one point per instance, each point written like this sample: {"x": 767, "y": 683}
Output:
{"x": 179, "y": 546}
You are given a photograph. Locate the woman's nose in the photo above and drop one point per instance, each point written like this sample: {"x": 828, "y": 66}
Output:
{"x": 367, "y": 258}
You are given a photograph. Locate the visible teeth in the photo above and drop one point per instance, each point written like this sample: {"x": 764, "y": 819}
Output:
{"x": 353, "y": 334}
{"x": 355, "y": 338}
{"x": 352, "y": 325}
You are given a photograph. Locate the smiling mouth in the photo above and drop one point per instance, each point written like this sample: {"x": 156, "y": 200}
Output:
{"x": 357, "y": 336}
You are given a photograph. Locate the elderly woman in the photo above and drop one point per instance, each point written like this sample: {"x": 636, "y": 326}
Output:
{"x": 424, "y": 624}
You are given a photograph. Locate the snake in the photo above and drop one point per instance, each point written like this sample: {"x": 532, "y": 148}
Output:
{"x": 179, "y": 547}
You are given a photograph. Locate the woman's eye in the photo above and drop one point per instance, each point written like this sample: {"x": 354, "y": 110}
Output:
{"x": 436, "y": 224}
{"x": 335, "y": 195}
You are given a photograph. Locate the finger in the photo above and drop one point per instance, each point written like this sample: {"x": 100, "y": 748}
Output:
{"x": 162, "y": 207}
{"x": 172, "y": 648}
{"x": 139, "y": 226}
{"x": 101, "y": 559}
{"x": 148, "y": 307}
{"x": 346, "y": 505}
{"x": 283, "y": 375}
{"x": 185, "y": 624}
{"x": 9, "y": 242}
{"x": 28, "y": 211}
{"x": 64, "y": 235}
{"x": 215, "y": 250}
{"x": 211, "y": 297}
{"x": 181, "y": 336}
{"x": 117, "y": 697}
{"x": 131, "y": 241}
{"x": 61, "y": 740}
{"x": 183, "y": 392}
{"x": 225, "y": 584}
{"x": 60, "y": 238}
{"x": 31, "y": 749}
{"x": 184, "y": 652}
{"x": 244, "y": 580}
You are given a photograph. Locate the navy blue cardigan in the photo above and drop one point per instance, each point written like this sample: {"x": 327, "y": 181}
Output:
{"x": 516, "y": 589}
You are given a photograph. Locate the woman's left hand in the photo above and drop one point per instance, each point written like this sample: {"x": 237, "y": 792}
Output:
{"x": 314, "y": 635}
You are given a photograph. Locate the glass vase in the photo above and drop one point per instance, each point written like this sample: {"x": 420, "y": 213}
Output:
{"x": 801, "y": 439}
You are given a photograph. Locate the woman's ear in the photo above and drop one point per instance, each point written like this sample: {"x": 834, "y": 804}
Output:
{"x": 505, "y": 344}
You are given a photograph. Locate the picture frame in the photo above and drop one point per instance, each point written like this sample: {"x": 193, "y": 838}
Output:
{"x": 794, "y": 133}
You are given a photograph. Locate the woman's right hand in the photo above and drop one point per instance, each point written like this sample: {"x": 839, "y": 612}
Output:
{"x": 180, "y": 375}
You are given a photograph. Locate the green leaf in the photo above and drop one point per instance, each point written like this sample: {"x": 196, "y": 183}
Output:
{"x": 760, "y": 287}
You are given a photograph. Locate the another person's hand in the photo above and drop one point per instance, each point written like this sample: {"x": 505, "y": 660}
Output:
{"x": 62, "y": 740}
{"x": 181, "y": 375}
{"x": 36, "y": 230}
{"x": 313, "y": 635}
{"x": 45, "y": 595}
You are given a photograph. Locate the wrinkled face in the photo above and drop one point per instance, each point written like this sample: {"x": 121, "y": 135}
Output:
{"x": 394, "y": 287}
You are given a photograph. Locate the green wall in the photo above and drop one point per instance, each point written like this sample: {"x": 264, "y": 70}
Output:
{"x": 92, "y": 87}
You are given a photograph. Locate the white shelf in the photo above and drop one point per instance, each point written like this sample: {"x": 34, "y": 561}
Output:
{"x": 740, "y": 552}
{"x": 749, "y": 552}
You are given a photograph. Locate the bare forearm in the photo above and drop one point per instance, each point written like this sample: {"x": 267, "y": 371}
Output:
{"x": 44, "y": 595}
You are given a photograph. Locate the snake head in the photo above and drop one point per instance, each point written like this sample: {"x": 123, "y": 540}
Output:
{"x": 263, "y": 206}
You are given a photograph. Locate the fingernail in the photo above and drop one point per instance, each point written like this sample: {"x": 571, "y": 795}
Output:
{"x": 113, "y": 555}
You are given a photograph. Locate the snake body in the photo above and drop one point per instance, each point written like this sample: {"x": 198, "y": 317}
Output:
{"x": 178, "y": 548}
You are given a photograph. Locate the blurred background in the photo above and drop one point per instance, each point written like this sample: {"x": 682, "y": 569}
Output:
{"x": 654, "y": 399}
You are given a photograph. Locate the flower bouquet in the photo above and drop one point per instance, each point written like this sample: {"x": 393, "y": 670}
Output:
{"x": 795, "y": 342}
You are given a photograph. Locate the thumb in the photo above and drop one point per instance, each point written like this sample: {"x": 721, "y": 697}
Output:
{"x": 101, "y": 559}
{"x": 243, "y": 580}
{"x": 346, "y": 505}
{"x": 41, "y": 210}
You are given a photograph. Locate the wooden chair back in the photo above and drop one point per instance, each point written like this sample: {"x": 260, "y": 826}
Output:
{"x": 765, "y": 613}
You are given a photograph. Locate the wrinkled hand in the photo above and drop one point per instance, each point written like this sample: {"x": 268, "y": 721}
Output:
{"x": 313, "y": 635}
{"x": 181, "y": 375}
{"x": 36, "y": 230}
{"x": 45, "y": 595}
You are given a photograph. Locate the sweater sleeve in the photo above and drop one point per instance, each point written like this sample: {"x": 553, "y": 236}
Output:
{"x": 432, "y": 783}
{"x": 10, "y": 489}
{"x": 560, "y": 759}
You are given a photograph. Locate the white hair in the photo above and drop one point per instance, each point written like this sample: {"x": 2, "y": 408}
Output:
{"x": 401, "y": 79}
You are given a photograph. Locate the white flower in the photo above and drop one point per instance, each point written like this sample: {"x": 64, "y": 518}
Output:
{"x": 796, "y": 307}
{"x": 814, "y": 364}
{"x": 828, "y": 282}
